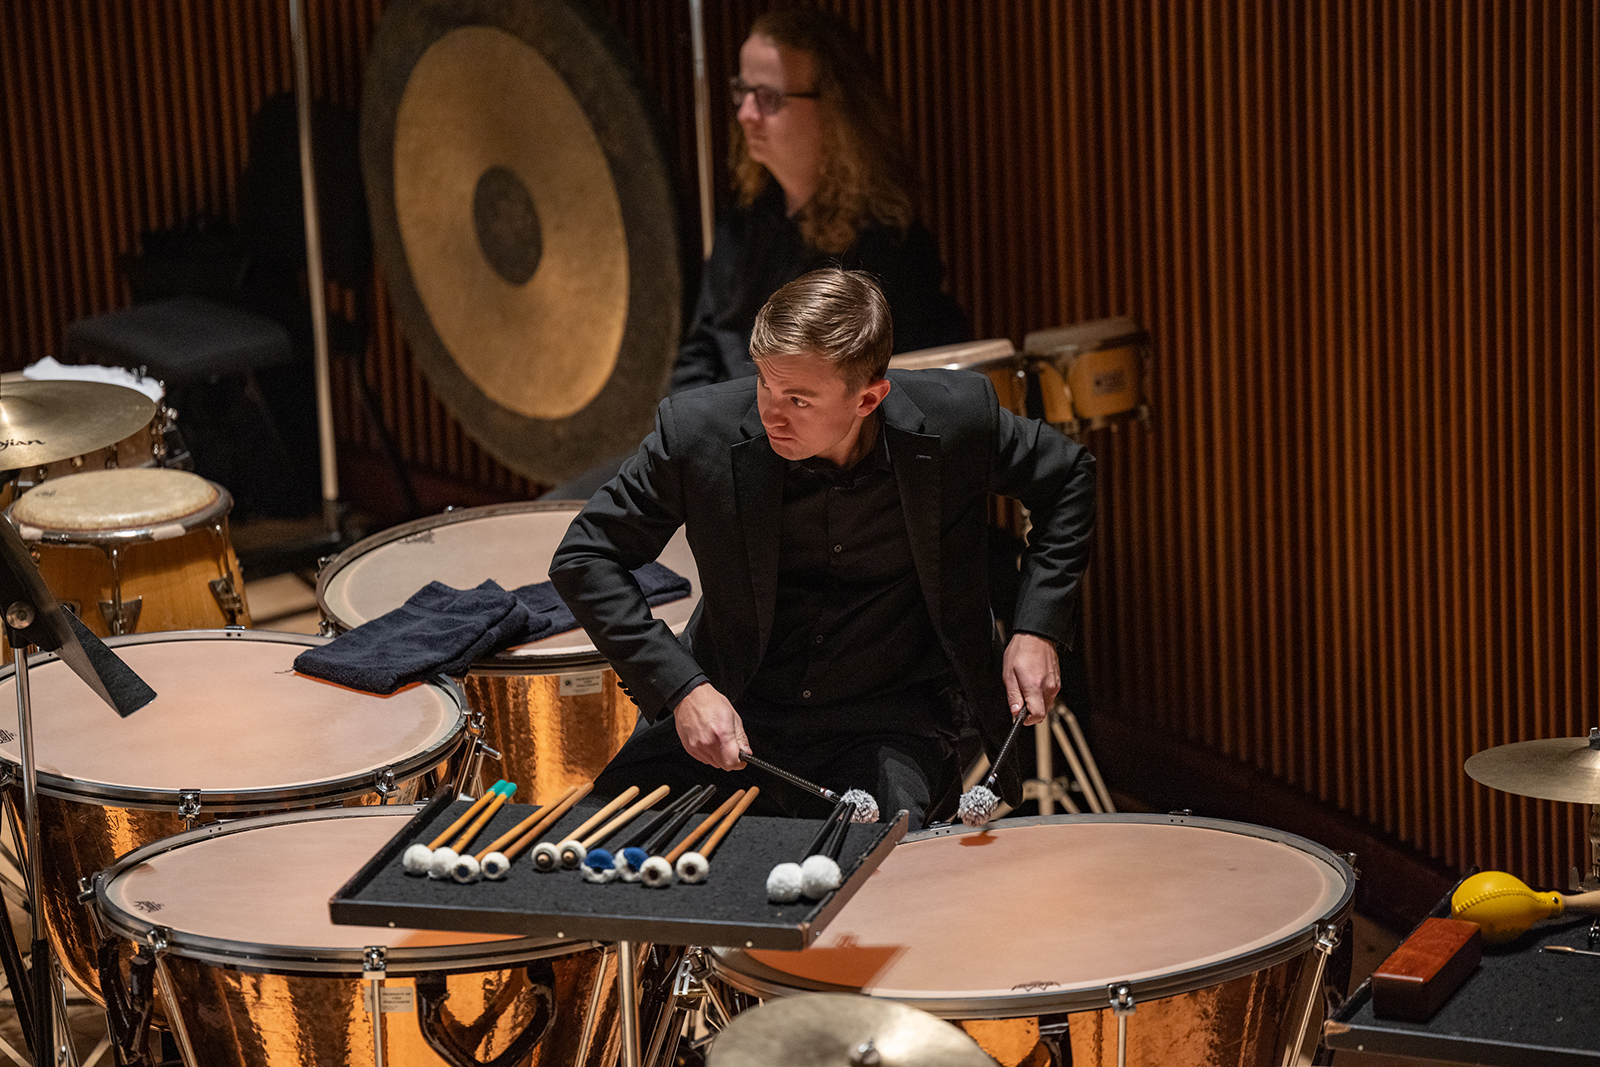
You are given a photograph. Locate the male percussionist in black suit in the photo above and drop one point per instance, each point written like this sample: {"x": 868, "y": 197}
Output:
{"x": 837, "y": 514}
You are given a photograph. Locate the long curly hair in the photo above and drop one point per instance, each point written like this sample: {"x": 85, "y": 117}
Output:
{"x": 867, "y": 175}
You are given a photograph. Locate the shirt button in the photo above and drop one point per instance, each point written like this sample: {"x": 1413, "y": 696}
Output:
{"x": 806, "y": 694}
{"x": 838, "y": 548}
{"x": 817, "y": 640}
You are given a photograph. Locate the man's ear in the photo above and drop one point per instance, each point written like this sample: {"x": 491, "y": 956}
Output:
{"x": 872, "y": 396}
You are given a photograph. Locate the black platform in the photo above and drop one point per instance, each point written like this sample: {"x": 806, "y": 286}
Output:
{"x": 1521, "y": 1008}
{"x": 729, "y": 909}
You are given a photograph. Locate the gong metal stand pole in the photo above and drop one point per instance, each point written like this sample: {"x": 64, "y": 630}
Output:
{"x": 628, "y": 1003}
{"x": 702, "y": 124}
{"x": 314, "y": 278}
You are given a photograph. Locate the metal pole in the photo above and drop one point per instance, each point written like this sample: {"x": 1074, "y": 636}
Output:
{"x": 43, "y": 997}
{"x": 628, "y": 1003}
{"x": 702, "y": 125}
{"x": 314, "y": 280}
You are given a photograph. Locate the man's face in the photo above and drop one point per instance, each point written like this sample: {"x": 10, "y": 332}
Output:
{"x": 807, "y": 408}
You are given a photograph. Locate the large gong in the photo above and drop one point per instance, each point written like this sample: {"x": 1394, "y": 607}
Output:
{"x": 525, "y": 222}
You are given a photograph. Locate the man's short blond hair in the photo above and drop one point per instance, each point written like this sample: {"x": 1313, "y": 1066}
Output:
{"x": 840, "y": 315}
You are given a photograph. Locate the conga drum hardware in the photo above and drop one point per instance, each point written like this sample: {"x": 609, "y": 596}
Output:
{"x": 1091, "y": 374}
{"x": 103, "y": 540}
{"x": 233, "y": 732}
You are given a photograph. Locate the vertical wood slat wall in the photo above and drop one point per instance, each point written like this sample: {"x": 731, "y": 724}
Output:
{"x": 1360, "y": 543}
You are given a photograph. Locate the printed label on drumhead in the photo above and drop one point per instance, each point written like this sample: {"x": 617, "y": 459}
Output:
{"x": 578, "y": 685}
{"x": 395, "y": 998}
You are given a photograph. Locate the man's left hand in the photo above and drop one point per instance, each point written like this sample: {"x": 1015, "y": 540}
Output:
{"x": 1033, "y": 675}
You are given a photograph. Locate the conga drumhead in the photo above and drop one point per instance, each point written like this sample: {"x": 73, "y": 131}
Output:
{"x": 232, "y": 719}
{"x": 511, "y": 543}
{"x": 967, "y": 355}
{"x": 262, "y": 887}
{"x": 1046, "y": 914}
{"x": 118, "y": 500}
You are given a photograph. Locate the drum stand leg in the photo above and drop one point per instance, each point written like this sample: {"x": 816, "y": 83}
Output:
{"x": 373, "y": 972}
{"x": 1045, "y": 787}
{"x": 628, "y": 1002}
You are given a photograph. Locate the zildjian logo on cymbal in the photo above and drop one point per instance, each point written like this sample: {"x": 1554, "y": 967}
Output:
{"x": 7, "y": 442}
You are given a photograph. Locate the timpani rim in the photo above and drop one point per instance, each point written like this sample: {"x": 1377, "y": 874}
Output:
{"x": 345, "y": 787}
{"x": 756, "y": 978}
{"x": 306, "y": 959}
{"x": 1078, "y": 338}
{"x": 499, "y": 663}
{"x": 212, "y": 513}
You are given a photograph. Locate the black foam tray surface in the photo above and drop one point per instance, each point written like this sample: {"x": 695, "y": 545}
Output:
{"x": 729, "y": 909}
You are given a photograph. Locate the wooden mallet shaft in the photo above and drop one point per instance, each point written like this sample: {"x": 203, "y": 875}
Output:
{"x": 626, "y": 817}
{"x": 477, "y": 825}
{"x": 548, "y": 821}
{"x": 466, "y": 816}
{"x": 710, "y": 820}
{"x": 604, "y": 813}
{"x": 727, "y": 823}
{"x": 516, "y": 831}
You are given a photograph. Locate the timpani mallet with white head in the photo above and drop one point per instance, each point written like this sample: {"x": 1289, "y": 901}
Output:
{"x": 693, "y": 866}
{"x": 647, "y": 839}
{"x": 819, "y": 873}
{"x": 496, "y": 864}
{"x": 657, "y": 870}
{"x": 471, "y": 868}
{"x": 787, "y": 880}
{"x": 595, "y": 862}
{"x": 446, "y": 858}
{"x": 979, "y": 802}
{"x": 866, "y": 808}
{"x": 419, "y": 857}
{"x": 548, "y": 857}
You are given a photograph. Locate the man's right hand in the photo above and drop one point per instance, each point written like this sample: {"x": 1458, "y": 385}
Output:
{"x": 710, "y": 728}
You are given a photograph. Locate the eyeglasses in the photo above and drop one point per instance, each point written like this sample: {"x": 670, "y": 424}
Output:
{"x": 769, "y": 101}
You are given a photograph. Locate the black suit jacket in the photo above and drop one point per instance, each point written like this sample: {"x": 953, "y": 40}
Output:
{"x": 709, "y": 468}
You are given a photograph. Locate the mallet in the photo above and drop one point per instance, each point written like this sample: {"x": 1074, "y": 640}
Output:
{"x": 786, "y": 881}
{"x": 547, "y": 857}
{"x": 979, "y": 802}
{"x": 629, "y": 856}
{"x": 819, "y": 874}
{"x": 693, "y": 866}
{"x": 419, "y": 857}
{"x": 495, "y": 864}
{"x": 866, "y": 808}
{"x": 444, "y": 859}
{"x": 595, "y": 862}
{"x": 657, "y": 871}
{"x": 1505, "y": 908}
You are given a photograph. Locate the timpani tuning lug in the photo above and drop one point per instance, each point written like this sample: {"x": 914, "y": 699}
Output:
{"x": 122, "y": 618}
{"x": 866, "y": 1054}
{"x": 189, "y": 807}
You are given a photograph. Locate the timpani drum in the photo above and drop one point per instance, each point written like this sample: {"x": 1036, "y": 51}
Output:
{"x": 135, "y": 551}
{"x": 1091, "y": 374}
{"x": 997, "y": 358}
{"x": 233, "y": 731}
{"x": 251, "y": 972}
{"x": 553, "y": 708}
{"x": 1207, "y": 935}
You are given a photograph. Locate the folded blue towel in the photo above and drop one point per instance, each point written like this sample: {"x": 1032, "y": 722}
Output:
{"x": 441, "y": 630}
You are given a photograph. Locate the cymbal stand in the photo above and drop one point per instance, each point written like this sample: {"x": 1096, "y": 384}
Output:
{"x": 1060, "y": 728}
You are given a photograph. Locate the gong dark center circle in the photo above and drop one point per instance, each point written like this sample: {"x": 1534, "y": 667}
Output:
{"x": 507, "y": 225}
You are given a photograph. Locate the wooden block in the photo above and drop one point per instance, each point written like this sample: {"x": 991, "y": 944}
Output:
{"x": 1419, "y": 976}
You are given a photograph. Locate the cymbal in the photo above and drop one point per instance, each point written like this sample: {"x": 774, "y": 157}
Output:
{"x": 43, "y": 421}
{"x": 842, "y": 1030}
{"x": 1556, "y": 768}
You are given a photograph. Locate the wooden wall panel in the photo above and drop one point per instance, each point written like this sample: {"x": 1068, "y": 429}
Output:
{"x": 1359, "y": 543}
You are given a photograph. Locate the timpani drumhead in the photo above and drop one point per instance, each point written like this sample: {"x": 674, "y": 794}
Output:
{"x": 967, "y": 355}
{"x": 264, "y": 883}
{"x": 1046, "y": 913}
{"x": 116, "y": 500}
{"x": 230, "y": 718}
{"x": 510, "y": 543}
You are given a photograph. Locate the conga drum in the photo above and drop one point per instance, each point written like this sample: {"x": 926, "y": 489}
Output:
{"x": 233, "y": 731}
{"x": 1177, "y": 942}
{"x": 997, "y": 358}
{"x": 553, "y": 708}
{"x": 1091, "y": 374}
{"x": 135, "y": 551}
{"x": 250, "y": 971}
